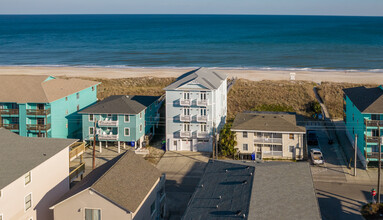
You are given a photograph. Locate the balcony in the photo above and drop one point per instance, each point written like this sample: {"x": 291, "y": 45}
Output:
{"x": 107, "y": 123}
{"x": 9, "y": 111}
{"x": 37, "y": 127}
{"x": 77, "y": 171}
{"x": 39, "y": 112}
{"x": 76, "y": 150}
{"x": 201, "y": 102}
{"x": 10, "y": 126}
{"x": 371, "y": 139}
{"x": 185, "y": 102}
{"x": 272, "y": 154}
{"x": 201, "y": 134}
{"x": 373, "y": 123}
{"x": 268, "y": 140}
{"x": 185, "y": 118}
{"x": 373, "y": 155}
{"x": 202, "y": 118}
{"x": 185, "y": 134}
{"x": 108, "y": 136}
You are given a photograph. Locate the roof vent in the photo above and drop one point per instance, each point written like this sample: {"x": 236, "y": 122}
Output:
{"x": 220, "y": 197}
{"x": 226, "y": 171}
{"x": 244, "y": 182}
{"x": 251, "y": 174}
{"x": 238, "y": 213}
{"x": 127, "y": 96}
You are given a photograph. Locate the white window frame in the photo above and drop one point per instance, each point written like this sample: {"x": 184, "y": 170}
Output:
{"x": 30, "y": 178}
{"x": 187, "y": 110}
{"x": 186, "y": 125}
{"x": 25, "y": 203}
{"x": 125, "y": 131}
{"x": 93, "y": 209}
{"x": 140, "y": 127}
{"x": 243, "y": 134}
{"x": 125, "y": 118}
{"x": 243, "y": 147}
{"x": 186, "y": 95}
{"x": 203, "y": 111}
{"x": 92, "y": 117}
{"x": 203, "y": 95}
{"x": 203, "y": 127}
{"x": 91, "y": 133}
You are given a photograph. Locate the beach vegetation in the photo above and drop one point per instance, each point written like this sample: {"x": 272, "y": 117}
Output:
{"x": 273, "y": 108}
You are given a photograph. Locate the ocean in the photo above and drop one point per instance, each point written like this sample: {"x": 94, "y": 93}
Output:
{"x": 177, "y": 41}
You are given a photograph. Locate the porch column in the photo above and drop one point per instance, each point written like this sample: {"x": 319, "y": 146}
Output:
{"x": 106, "y": 144}
{"x": 100, "y": 143}
{"x": 118, "y": 143}
{"x": 124, "y": 144}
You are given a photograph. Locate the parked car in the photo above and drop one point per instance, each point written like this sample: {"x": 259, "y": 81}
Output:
{"x": 316, "y": 156}
{"x": 312, "y": 138}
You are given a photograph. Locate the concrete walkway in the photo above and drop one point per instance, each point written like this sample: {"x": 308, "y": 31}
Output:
{"x": 183, "y": 172}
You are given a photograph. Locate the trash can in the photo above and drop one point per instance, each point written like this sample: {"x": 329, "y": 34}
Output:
{"x": 253, "y": 156}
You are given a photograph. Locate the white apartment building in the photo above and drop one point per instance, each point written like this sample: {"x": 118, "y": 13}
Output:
{"x": 34, "y": 173}
{"x": 269, "y": 135}
{"x": 196, "y": 109}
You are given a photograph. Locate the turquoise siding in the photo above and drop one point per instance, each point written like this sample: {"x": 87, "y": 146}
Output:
{"x": 355, "y": 124}
{"x": 135, "y": 121}
{"x": 61, "y": 120}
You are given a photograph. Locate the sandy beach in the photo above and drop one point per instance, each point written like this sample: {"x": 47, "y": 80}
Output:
{"x": 250, "y": 74}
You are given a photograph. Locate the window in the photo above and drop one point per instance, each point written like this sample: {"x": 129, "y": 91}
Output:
{"x": 186, "y": 126}
{"x": 91, "y": 117}
{"x": 291, "y": 136}
{"x": 28, "y": 201}
{"x": 186, "y": 95}
{"x": 291, "y": 149}
{"x": 245, "y": 134}
{"x": 66, "y": 98}
{"x": 126, "y": 118}
{"x": 91, "y": 130}
{"x": 203, "y": 95}
{"x": 153, "y": 208}
{"x": 140, "y": 127}
{"x": 203, "y": 127}
{"x": 92, "y": 88}
{"x": 186, "y": 111}
{"x": 78, "y": 107}
{"x": 245, "y": 147}
{"x": 92, "y": 214}
{"x": 202, "y": 111}
{"x": 127, "y": 132}
{"x": 175, "y": 143}
{"x": 78, "y": 95}
{"x": 27, "y": 178}
{"x": 140, "y": 114}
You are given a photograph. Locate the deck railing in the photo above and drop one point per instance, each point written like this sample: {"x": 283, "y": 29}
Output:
{"x": 201, "y": 102}
{"x": 185, "y": 102}
{"x": 202, "y": 118}
{"x": 202, "y": 134}
{"x": 374, "y": 155}
{"x": 108, "y": 123}
{"x": 373, "y": 123}
{"x": 371, "y": 139}
{"x": 9, "y": 111}
{"x": 76, "y": 150}
{"x": 107, "y": 136}
{"x": 77, "y": 171}
{"x": 11, "y": 126}
{"x": 37, "y": 127}
{"x": 272, "y": 154}
{"x": 38, "y": 111}
{"x": 185, "y": 134}
{"x": 268, "y": 140}
{"x": 185, "y": 118}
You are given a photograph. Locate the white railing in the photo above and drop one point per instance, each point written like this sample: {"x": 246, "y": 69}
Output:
{"x": 185, "y": 102}
{"x": 108, "y": 136}
{"x": 272, "y": 153}
{"x": 201, "y": 102}
{"x": 107, "y": 122}
{"x": 186, "y": 118}
{"x": 185, "y": 134}
{"x": 201, "y": 134}
{"x": 268, "y": 140}
{"x": 202, "y": 118}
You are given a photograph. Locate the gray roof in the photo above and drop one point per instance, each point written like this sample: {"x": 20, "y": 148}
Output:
{"x": 19, "y": 155}
{"x": 367, "y": 100}
{"x": 121, "y": 104}
{"x": 125, "y": 180}
{"x": 276, "y": 190}
{"x": 208, "y": 78}
{"x": 267, "y": 121}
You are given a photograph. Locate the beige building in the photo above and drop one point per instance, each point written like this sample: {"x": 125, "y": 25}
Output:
{"x": 34, "y": 173}
{"x": 127, "y": 187}
{"x": 269, "y": 135}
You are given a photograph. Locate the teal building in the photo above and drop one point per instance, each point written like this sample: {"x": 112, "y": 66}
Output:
{"x": 122, "y": 119}
{"x": 44, "y": 106}
{"x": 363, "y": 117}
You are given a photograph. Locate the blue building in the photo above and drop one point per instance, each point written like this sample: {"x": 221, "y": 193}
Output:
{"x": 122, "y": 119}
{"x": 43, "y": 106}
{"x": 363, "y": 116}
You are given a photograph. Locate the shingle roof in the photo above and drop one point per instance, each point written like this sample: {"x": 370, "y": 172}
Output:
{"x": 206, "y": 77}
{"x": 277, "y": 190}
{"x": 367, "y": 100}
{"x": 267, "y": 121}
{"x": 19, "y": 155}
{"x": 126, "y": 180}
{"x": 121, "y": 104}
{"x": 36, "y": 89}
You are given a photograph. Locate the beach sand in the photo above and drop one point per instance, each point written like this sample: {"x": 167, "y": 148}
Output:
{"x": 250, "y": 74}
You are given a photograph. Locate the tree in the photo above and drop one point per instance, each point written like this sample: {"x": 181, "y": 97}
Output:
{"x": 227, "y": 141}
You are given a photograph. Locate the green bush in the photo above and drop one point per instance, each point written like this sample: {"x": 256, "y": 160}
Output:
{"x": 372, "y": 211}
{"x": 227, "y": 141}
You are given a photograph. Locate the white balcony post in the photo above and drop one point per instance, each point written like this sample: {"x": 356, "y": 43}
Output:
{"x": 106, "y": 144}
{"x": 124, "y": 145}
{"x": 118, "y": 143}
{"x": 100, "y": 142}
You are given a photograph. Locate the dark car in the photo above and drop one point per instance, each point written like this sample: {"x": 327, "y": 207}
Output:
{"x": 312, "y": 138}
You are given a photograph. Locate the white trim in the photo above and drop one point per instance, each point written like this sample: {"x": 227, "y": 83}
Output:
{"x": 25, "y": 210}
{"x": 125, "y": 132}
{"x": 128, "y": 118}
{"x": 93, "y": 209}
{"x": 89, "y": 117}
{"x": 30, "y": 178}
{"x": 282, "y": 132}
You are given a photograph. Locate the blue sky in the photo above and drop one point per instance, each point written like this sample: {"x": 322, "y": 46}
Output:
{"x": 289, "y": 7}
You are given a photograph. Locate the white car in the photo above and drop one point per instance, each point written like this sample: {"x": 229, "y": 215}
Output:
{"x": 316, "y": 156}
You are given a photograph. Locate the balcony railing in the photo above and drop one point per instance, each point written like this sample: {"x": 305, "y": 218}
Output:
{"x": 9, "y": 111}
{"x": 201, "y": 102}
{"x": 108, "y": 123}
{"x": 185, "y": 118}
{"x": 201, "y": 134}
{"x": 76, "y": 172}
{"x": 268, "y": 140}
{"x": 371, "y": 139}
{"x": 108, "y": 136}
{"x": 185, "y": 134}
{"x": 36, "y": 127}
{"x": 373, "y": 123}
{"x": 38, "y": 111}
{"x": 202, "y": 118}
{"x": 11, "y": 126}
{"x": 374, "y": 155}
{"x": 76, "y": 150}
{"x": 185, "y": 102}
{"x": 272, "y": 154}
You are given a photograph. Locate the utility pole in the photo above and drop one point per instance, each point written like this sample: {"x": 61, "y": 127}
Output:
{"x": 355, "y": 152}
{"x": 94, "y": 144}
{"x": 380, "y": 162}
